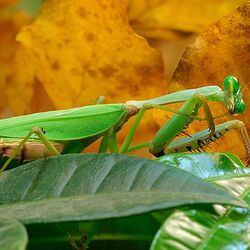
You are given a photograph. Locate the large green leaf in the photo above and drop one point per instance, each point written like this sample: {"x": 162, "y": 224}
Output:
{"x": 97, "y": 186}
{"x": 206, "y": 165}
{"x": 13, "y": 235}
{"x": 210, "y": 227}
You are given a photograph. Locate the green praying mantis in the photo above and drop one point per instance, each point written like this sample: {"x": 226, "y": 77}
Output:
{"x": 39, "y": 135}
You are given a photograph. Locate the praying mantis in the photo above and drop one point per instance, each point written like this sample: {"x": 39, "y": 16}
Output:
{"x": 39, "y": 135}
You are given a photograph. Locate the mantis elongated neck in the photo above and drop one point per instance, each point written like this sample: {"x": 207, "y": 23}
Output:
{"x": 212, "y": 93}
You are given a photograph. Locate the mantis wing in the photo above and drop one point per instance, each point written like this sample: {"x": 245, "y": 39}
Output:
{"x": 71, "y": 124}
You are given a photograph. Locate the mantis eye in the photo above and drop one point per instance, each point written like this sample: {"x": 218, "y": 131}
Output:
{"x": 240, "y": 107}
{"x": 233, "y": 95}
{"x": 231, "y": 84}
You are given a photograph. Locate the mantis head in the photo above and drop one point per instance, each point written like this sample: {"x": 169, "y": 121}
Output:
{"x": 233, "y": 95}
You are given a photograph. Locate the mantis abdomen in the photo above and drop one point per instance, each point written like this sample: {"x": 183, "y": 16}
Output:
{"x": 31, "y": 150}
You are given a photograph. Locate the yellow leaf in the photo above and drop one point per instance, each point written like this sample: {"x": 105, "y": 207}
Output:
{"x": 10, "y": 24}
{"x": 78, "y": 50}
{"x": 165, "y": 19}
{"x": 223, "y": 49}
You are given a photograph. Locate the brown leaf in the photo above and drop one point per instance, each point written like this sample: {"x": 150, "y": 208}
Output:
{"x": 223, "y": 49}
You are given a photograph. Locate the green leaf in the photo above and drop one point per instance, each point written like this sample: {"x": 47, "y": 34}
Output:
{"x": 137, "y": 231}
{"x": 13, "y": 235}
{"x": 211, "y": 226}
{"x": 96, "y": 186}
{"x": 206, "y": 165}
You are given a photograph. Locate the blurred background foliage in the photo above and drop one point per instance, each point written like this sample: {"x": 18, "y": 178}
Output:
{"x": 51, "y": 59}
{"x": 31, "y": 7}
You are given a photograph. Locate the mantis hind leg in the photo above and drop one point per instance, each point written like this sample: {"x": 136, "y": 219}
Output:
{"x": 41, "y": 136}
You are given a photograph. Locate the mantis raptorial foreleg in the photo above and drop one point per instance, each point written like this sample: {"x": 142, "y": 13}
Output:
{"x": 18, "y": 149}
{"x": 163, "y": 141}
{"x": 200, "y": 140}
{"x": 177, "y": 123}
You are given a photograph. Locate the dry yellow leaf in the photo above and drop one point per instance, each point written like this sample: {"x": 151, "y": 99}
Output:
{"x": 223, "y": 49}
{"x": 164, "y": 19}
{"x": 10, "y": 24}
{"x": 78, "y": 50}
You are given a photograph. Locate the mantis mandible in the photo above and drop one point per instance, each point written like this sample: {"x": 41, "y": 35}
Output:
{"x": 50, "y": 133}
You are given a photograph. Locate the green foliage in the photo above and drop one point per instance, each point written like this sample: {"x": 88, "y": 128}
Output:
{"x": 13, "y": 235}
{"x": 56, "y": 197}
{"x": 204, "y": 227}
{"x": 205, "y": 165}
{"x": 98, "y": 186}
